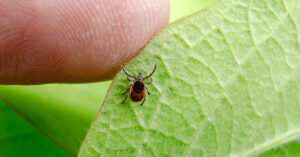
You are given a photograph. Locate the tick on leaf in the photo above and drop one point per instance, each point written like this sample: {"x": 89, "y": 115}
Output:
{"x": 137, "y": 90}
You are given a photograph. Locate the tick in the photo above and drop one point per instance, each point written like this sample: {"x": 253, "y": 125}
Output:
{"x": 137, "y": 90}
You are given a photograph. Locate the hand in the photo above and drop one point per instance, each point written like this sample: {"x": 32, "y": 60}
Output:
{"x": 47, "y": 41}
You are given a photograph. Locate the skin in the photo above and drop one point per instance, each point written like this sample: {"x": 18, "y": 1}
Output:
{"x": 71, "y": 41}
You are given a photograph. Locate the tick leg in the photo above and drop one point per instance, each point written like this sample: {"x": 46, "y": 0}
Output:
{"x": 148, "y": 91}
{"x": 128, "y": 75}
{"x": 151, "y": 73}
{"x": 143, "y": 101}
{"x": 126, "y": 90}
{"x": 128, "y": 78}
{"x": 124, "y": 99}
{"x": 149, "y": 82}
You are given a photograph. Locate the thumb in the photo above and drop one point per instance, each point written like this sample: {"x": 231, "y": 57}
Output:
{"x": 73, "y": 41}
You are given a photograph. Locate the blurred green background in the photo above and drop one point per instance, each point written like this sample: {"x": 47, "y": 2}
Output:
{"x": 52, "y": 120}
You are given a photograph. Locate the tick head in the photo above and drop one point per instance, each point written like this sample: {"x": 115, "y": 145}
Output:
{"x": 140, "y": 76}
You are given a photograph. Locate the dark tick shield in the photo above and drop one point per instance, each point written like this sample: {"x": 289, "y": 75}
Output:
{"x": 137, "y": 90}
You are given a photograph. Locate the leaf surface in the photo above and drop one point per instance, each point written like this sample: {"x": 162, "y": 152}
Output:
{"x": 179, "y": 8}
{"x": 227, "y": 84}
{"x": 19, "y": 138}
{"x": 65, "y": 102}
{"x": 62, "y": 112}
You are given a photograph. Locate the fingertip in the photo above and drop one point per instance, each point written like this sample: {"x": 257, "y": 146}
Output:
{"x": 74, "y": 41}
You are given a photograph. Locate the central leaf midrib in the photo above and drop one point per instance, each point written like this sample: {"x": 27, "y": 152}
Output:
{"x": 288, "y": 136}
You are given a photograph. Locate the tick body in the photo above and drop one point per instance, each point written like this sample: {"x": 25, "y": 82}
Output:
{"x": 137, "y": 90}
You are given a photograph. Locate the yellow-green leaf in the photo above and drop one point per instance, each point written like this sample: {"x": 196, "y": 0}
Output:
{"x": 227, "y": 84}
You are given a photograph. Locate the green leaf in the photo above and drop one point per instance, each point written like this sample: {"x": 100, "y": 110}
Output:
{"x": 62, "y": 112}
{"x": 227, "y": 84}
{"x": 65, "y": 101}
{"x": 17, "y": 134}
{"x": 179, "y": 8}
{"x": 285, "y": 150}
